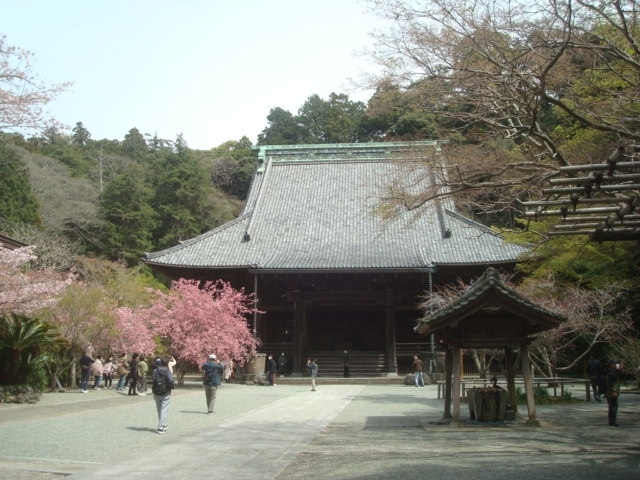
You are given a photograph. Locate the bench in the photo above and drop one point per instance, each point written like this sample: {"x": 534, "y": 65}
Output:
{"x": 548, "y": 383}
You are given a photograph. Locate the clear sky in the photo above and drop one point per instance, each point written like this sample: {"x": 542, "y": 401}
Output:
{"x": 210, "y": 70}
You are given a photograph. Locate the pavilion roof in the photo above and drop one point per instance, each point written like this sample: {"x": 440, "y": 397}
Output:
{"x": 489, "y": 314}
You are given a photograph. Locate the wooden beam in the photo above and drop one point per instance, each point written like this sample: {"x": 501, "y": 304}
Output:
{"x": 456, "y": 384}
{"x": 603, "y": 188}
{"x": 528, "y": 385}
{"x": 599, "y": 167}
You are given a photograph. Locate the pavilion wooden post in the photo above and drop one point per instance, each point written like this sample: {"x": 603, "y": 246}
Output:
{"x": 511, "y": 378}
{"x": 448, "y": 370}
{"x": 528, "y": 385}
{"x": 456, "y": 384}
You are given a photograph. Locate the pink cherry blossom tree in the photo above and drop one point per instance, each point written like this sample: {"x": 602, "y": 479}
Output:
{"x": 26, "y": 291}
{"x": 192, "y": 321}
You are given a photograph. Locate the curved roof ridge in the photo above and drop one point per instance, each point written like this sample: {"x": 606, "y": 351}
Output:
{"x": 489, "y": 281}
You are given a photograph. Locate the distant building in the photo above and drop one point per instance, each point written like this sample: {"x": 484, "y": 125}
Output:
{"x": 323, "y": 262}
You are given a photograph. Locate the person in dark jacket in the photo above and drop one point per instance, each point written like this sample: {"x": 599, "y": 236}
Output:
{"x": 612, "y": 382}
{"x": 345, "y": 364}
{"x": 85, "y": 370}
{"x": 271, "y": 370}
{"x": 133, "y": 374}
{"x": 213, "y": 371}
{"x": 312, "y": 365}
{"x": 282, "y": 364}
{"x": 595, "y": 372}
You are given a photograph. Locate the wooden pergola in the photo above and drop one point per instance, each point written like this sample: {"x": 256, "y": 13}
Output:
{"x": 489, "y": 315}
{"x": 601, "y": 200}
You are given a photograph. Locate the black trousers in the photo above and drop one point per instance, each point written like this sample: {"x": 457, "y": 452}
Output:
{"x": 613, "y": 409}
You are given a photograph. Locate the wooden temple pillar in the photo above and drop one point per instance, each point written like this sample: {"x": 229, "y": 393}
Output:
{"x": 390, "y": 336}
{"x": 511, "y": 379}
{"x": 528, "y": 385}
{"x": 298, "y": 335}
{"x": 455, "y": 398}
{"x": 448, "y": 370}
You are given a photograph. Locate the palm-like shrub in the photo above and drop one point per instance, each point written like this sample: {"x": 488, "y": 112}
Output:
{"x": 23, "y": 340}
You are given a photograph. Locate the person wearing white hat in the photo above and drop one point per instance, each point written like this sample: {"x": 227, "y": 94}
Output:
{"x": 213, "y": 371}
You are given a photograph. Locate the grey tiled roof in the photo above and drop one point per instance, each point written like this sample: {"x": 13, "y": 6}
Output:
{"x": 489, "y": 291}
{"x": 313, "y": 207}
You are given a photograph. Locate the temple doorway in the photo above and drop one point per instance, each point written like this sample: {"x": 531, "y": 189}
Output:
{"x": 340, "y": 328}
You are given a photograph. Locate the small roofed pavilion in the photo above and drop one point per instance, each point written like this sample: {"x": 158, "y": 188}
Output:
{"x": 489, "y": 315}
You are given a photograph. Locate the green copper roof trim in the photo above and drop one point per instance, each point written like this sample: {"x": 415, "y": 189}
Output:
{"x": 337, "y": 151}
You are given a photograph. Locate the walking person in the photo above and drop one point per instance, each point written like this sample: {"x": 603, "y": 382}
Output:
{"x": 271, "y": 370}
{"x": 313, "y": 371}
{"x": 85, "y": 371}
{"x": 612, "y": 392}
{"x": 213, "y": 371}
{"x": 418, "y": 366}
{"x": 345, "y": 364}
{"x": 595, "y": 372}
{"x": 143, "y": 370}
{"x": 162, "y": 384}
{"x": 133, "y": 375}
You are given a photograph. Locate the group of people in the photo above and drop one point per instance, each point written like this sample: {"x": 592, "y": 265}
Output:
{"x": 605, "y": 380}
{"x": 312, "y": 365}
{"x": 131, "y": 373}
{"x": 274, "y": 368}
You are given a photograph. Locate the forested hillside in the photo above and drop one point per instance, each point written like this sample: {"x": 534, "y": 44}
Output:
{"x": 121, "y": 198}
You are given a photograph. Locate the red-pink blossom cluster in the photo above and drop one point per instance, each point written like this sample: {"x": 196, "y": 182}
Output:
{"x": 194, "y": 320}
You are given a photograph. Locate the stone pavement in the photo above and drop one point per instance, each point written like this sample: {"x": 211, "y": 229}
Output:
{"x": 288, "y": 432}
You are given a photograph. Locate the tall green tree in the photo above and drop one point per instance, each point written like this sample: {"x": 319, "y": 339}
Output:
{"x": 18, "y": 204}
{"x": 80, "y": 135}
{"x": 182, "y": 195}
{"x": 134, "y": 145}
{"x": 130, "y": 219}
{"x": 283, "y": 129}
{"x": 336, "y": 120}
{"x": 232, "y": 166}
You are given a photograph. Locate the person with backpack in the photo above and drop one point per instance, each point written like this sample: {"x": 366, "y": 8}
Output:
{"x": 161, "y": 386}
{"x": 213, "y": 371}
